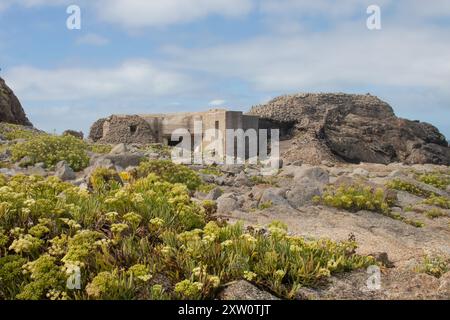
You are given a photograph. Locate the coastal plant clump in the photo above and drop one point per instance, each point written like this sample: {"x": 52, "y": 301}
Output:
{"x": 359, "y": 197}
{"x": 100, "y": 148}
{"x": 435, "y": 266}
{"x": 437, "y": 180}
{"x": 401, "y": 185}
{"x": 50, "y": 150}
{"x": 170, "y": 172}
{"x": 144, "y": 238}
{"x": 438, "y": 201}
{"x": 435, "y": 213}
{"x": 356, "y": 198}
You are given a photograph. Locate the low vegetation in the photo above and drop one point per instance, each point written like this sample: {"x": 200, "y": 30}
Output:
{"x": 356, "y": 197}
{"x": 437, "y": 180}
{"x": 435, "y": 213}
{"x": 170, "y": 172}
{"x": 143, "y": 237}
{"x": 260, "y": 180}
{"x": 50, "y": 150}
{"x": 438, "y": 201}
{"x": 214, "y": 171}
{"x": 434, "y": 265}
{"x": 100, "y": 148}
{"x": 359, "y": 197}
{"x": 13, "y": 132}
{"x": 412, "y": 188}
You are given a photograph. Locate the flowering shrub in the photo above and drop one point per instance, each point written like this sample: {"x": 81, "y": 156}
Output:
{"x": 437, "y": 180}
{"x": 103, "y": 179}
{"x": 144, "y": 239}
{"x": 171, "y": 172}
{"x": 356, "y": 198}
{"x": 100, "y": 148}
{"x": 361, "y": 197}
{"x": 434, "y": 266}
{"x": 52, "y": 149}
{"x": 438, "y": 201}
{"x": 401, "y": 185}
{"x": 278, "y": 261}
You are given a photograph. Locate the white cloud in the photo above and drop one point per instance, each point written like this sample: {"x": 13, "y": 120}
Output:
{"x": 32, "y": 3}
{"x": 92, "y": 39}
{"x": 144, "y": 13}
{"x": 217, "y": 102}
{"x": 344, "y": 57}
{"x": 132, "y": 80}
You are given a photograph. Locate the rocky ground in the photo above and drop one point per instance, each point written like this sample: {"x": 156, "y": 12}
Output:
{"x": 242, "y": 194}
{"x": 288, "y": 198}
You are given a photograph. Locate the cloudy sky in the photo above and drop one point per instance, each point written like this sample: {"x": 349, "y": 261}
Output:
{"x": 149, "y": 56}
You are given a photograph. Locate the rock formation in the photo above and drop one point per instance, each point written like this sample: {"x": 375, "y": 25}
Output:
{"x": 10, "y": 108}
{"x": 353, "y": 128}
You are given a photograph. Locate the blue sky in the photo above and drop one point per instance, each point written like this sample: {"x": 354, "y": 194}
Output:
{"x": 138, "y": 56}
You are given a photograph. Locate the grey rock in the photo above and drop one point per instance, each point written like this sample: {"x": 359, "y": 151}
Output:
{"x": 274, "y": 196}
{"x": 360, "y": 172}
{"x": 214, "y": 194}
{"x": 242, "y": 180}
{"x": 227, "y": 203}
{"x": 8, "y": 172}
{"x": 406, "y": 199}
{"x": 125, "y": 160}
{"x": 25, "y": 162}
{"x": 314, "y": 175}
{"x": 302, "y": 194}
{"x": 232, "y": 168}
{"x": 64, "y": 171}
{"x": 5, "y": 155}
{"x": 36, "y": 171}
{"x": 207, "y": 178}
{"x": 119, "y": 149}
{"x": 243, "y": 290}
{"x": 396, "y": 174}
{"x": 79, "y": 182}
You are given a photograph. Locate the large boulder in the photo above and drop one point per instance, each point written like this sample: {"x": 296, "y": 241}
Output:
{"x": 351, "y": 128}
{"x": 11, "y": 110}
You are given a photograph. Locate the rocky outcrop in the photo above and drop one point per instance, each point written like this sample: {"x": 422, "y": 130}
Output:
{"x": 11, "y": 110}
{"x": 353, "y": 128}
